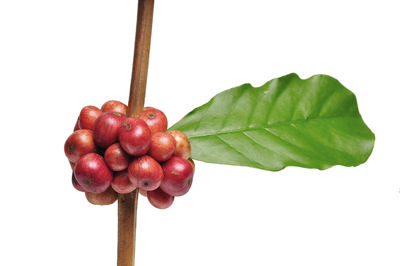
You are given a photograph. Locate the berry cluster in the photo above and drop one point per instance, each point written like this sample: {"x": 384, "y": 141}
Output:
{"x": 111, "y": 153}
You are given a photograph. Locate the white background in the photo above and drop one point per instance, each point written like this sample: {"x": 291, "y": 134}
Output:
{"x": 57, "y": 56}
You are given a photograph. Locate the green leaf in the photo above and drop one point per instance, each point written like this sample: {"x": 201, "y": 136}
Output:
{"x": 313, "y": 123}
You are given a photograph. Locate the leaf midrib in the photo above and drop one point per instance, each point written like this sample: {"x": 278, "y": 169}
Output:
{"x": 248, "y": 128}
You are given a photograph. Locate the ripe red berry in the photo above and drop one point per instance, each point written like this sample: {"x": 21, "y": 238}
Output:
{"x": 134, "y": 136}
{"x": 116, "y": 158}
{"x": 76, "y": 184}
{"x": 178, "y": 176}
{"x": 121, "y": 183}
{"x": 106, "y": 129}
{"x": 88, "y": 117}
{"x": 107, "y": 197}
{"x": 145, "y": 173}
{"x": 114, "y": 106}
{"x": 160, "y": 199}
{"x": 155, "y": 119}
{"x": 92, "y": 173}
{"x": 79, "y": 143}
{"x": 183, "y": 148}
{"x": 162, "y": 146}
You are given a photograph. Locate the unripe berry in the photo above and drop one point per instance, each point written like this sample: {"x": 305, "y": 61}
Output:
{"x": 92, "y": 173}
{"x": 183, "y": 148}
{"x": 114, "y": 106}
{"x": 155, "y": 119}
{"x": 88, "y": 117}
{"x": 79, "y": 143}
{"x": 178, "y": 176}
{"x": 106, "y": 129}
{"x": 107, "y": 197}
{"x": 160, "y": 199}
{"x": 116, "y": 158}
{"x": 121, "y": 183}
{"x": 162, "y": 146}
{"x": 145, "y": 173}
{"x": 134, "y": 136}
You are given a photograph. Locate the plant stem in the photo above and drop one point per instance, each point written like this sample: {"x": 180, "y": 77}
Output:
{"x": 127, "y": 204}
{"x": 141, "y": 57}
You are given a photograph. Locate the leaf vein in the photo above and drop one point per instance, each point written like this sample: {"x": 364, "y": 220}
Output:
{"x": 277, "y": 124}
{"x": 240, "y": 153}
{"x": 232, "y": 107}
{"x": 310, "y": 155}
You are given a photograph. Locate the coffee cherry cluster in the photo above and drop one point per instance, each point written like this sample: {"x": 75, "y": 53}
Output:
{"x": 111, "y": 153}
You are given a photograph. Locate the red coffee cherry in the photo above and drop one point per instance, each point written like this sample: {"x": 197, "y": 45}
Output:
{"x": 134, "y": 136}
{"x": 92, "y": 173}
{"x": 121, "y": 183}
{"x": 160, "y": 199}
{"x": 114, "y": 106}
{"x": 116, "y": 158}
{"x": 79, "y": 143}
{"x": 88, "y": 117}
{"x": 183, "y": 148}
{"x": 155, "y": 119}
{"x": 145, "y": 173}
{"x": 178, "y": 176}
{"x": 76, "y": 184}
{"x": 107, "y": 197}
{"x": 106, "y": 129}
{"x": 162, "y": 146}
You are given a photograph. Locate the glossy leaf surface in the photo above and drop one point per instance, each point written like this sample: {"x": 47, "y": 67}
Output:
{"x": 313, "y": 123}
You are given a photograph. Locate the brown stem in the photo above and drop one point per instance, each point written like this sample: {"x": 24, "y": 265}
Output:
{"x": 127, "y": 212}
{"x": 127, "y": 204}
{"x": 141, "y": 58}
